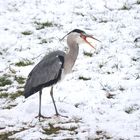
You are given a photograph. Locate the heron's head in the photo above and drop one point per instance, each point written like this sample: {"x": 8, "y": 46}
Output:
{"x": 79, "y": 37}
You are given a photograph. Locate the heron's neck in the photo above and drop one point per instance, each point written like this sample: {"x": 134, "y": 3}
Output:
{"x": 71, "y": 56}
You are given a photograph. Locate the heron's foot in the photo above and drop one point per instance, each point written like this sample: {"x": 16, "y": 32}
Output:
{"x": 57, "y": 114}
{"x": 41, "y": 116}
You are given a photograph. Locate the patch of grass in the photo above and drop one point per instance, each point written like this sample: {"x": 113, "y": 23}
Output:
{"x": 9, "y": 106}
{"x": 110, "y": 96}
{"x": 101, "y": 65}
{"x": 3, "y": 89}
{"x": 18, "y": 93}
{"x": 108, "y": 72}
{"x": 20, "y": 79}
{"x": 121, "y": 88}
{"x": 79, "y": 14}
{"x": 125, "y": 7}
{"x": 55, "y": 130}
{"x": 129, "y": 110}
{"x": 6, "y": 135}
{"x": 132, "y": 108}
{"x": 43, "y": 41}
{"x": 103, "y": 21}
{"x": 4, "y": 80}
{"x": 4, "y": 95}
{"x": 138, "y": 1}
{"x": 47, "y": 24}
{"x": 11, "y": 96}
{"x": 84, "y": 78}
{"x": 102, "y": 135}
{"x": 24, "y": 62}
{"x": 137, "y": 77}
{"x": 135, "y": 59}
{"x": 88, "y": 54}
{"x": 26, "y": 32}
{"x": 42, "y": 25}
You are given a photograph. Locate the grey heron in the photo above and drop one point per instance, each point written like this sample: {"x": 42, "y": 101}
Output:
{"x": 54, "y": 66}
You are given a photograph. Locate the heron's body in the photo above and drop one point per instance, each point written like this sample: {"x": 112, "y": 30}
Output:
{"x": 46, "y": 73}
{"x": 53, "y": 66}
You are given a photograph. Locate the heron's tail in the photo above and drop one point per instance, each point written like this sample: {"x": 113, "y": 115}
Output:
{"x": 29, "y": 89}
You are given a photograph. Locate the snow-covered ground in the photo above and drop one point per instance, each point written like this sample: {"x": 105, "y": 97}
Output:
{"x": 101, "y": 97}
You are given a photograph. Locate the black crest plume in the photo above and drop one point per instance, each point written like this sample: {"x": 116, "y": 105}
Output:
{"x": 75, "y": 30}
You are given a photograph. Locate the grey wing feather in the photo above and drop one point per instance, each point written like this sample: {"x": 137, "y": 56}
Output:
{"x": 46, "y": 73}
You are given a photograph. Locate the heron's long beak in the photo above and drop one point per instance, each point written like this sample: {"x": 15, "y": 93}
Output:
{"x": 85, "y": 36}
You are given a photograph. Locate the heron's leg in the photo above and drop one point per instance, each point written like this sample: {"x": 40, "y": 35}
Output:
{"x": 40, "y": 94}
{"x": 39, "y": 114}
{"x": 57, "y": 114}
{"x": 51, "y": 93}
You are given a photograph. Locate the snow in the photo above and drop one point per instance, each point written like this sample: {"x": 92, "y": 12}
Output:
{"x": 107, "y": 105}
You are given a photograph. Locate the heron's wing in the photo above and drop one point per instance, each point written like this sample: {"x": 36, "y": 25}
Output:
{"x": 46, "y": 73}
